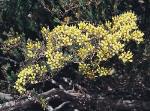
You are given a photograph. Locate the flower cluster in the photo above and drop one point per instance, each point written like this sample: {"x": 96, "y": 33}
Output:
{"x": 103, "y": 71}
{"x": 84, "y": 43}
{"x": 31, "y": 74}
{"x": 64, "y": 44}
{"x": 87, "y": 70}
{"x": 11, "y": 42}
{"x": 33, "y": 48}
{"x": 126, "y": 56}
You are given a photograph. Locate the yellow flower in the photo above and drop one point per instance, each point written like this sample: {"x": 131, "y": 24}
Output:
{"x": 29, "y": 75}
{"x": 102, "y": 71}
{"x": 85, "y": 43}
{"x": 126, "y": 56}
{"x": 66, "y": 43}
{"x": 33, "y": 48}
{"x": 10, "y": 43}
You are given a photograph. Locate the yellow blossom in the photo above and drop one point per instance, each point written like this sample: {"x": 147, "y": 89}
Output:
{"x": 29, "y": 75}
{"x": 84, "y": 43}
{"x": 33, "y": 48}
{"x": 126, "y": 56}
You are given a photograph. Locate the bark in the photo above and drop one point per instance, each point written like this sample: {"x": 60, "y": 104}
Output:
{"x": 5, "y": 96}
{"x": 80, "y": 101}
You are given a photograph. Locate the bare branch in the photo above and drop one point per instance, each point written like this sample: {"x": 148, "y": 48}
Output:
{"x": 8, "y": 59}
{"x": 26, "y": 102}
{"x": 76, "y": 99}
{"x": 61, "y": 106}
{"x": 5, "y": 96}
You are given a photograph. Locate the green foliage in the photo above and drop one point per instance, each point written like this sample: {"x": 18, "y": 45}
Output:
{"x": 26, "y": 16}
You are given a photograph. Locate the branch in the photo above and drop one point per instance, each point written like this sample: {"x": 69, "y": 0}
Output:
{"x": 79, "y": 100}
{"x": 5, "y": 96}
{"x": 23, "y": 103}
{"x": 8, "y": 59}
{"x": 61, "y": 106}
{"x": 11, "y": 105}
{"x": 43, "y": 5}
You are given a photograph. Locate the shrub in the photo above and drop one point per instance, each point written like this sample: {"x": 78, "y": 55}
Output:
{"x": 31, "y": 74}
{"x": 85, "y": 44}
